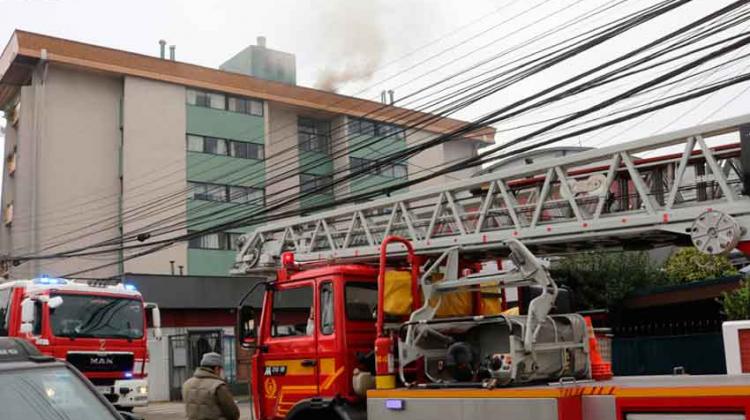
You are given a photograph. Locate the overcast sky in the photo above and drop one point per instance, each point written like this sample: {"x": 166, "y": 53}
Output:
{"x": 390, "y": 35}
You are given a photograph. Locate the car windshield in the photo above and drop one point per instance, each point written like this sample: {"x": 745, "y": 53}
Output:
{"x": 50, "y": 393}
{"x": 97, "y": 317}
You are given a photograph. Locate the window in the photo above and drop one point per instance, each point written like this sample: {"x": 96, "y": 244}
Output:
{"x": 292, "y": 312}
{"x": 215, "y": 146}
{"x": 205, "y": 99}
{"x": 49, "y": 391}
{"x": 400, "y": 170}
{"x": 320, "y": 184}
{"x": 372, "y": 128}
{"x": 326, "y": 308}
{"x": 194, "y": 143}
{"x": 208, "y": 241}
{"x": 208, "y": 192}
{"x": 37, "y": 328}
{"x": 245, "y": 195}
{"x": 247, "y": 150}
{"x": 4, "y": 302}
{"x": 314, "y": 135}
{"x": 217, "y": 101}
{"x": 361, "y": 301}
{"x": 225, "y": 241}
{"x": 394, "y": 170}
{"x": 225, "y": 147}
{"x": 363, "y": 127}
{"x": 78, "y": 315}
{"x": 233, "y": 241}
{"x": 220, "y": 101}
{"x": 226, "y": 193}
{"x": 245, "y": 106}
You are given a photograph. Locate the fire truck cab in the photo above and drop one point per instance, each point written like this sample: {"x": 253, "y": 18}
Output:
{"x": 313, "y": 335}
{"x": 98, "y": 327}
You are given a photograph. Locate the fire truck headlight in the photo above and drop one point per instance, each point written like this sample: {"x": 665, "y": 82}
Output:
{"x": 143, "y": 389}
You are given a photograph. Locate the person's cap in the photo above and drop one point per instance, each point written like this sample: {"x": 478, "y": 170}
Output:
{"x": 212, "y": 360}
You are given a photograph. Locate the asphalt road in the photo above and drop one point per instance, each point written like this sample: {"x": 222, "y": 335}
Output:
{"x": 176, "y": 411}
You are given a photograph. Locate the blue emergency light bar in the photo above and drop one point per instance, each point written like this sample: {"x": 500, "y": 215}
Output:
{"x": 49, "y": 281}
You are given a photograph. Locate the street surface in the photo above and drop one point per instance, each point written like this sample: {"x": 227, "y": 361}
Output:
{"x": 176, "y": 411}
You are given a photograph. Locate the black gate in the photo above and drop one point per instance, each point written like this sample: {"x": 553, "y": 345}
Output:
{"x": 185, "y": 352}
{"x": 178, "y": 365}
{"x": 202, "y": 342}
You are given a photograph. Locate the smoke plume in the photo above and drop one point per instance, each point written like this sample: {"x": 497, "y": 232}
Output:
{"x": 354, "y": 44}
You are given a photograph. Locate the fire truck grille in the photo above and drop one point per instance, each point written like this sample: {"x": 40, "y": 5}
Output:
{"x": 101, "y": 362}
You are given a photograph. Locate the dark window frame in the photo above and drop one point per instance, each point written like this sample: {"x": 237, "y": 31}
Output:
{"x": 361, "y": 285}
{"x": 242, "y": 104}
{"x": 314, "y": 135}
{"x": 5, "y": 296}
{"x": 274, "y": 334}
{"x": 365, "y": 127}
{"x": 315, "y": 181}
{"x": 227, "y": 242}
{"x": 388, "y": 171}
{"x": 327, "y": 329}
{"x": 230, "y": 144}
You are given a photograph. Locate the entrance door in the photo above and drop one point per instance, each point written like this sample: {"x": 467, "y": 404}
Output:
{"x": 289, "y": 366}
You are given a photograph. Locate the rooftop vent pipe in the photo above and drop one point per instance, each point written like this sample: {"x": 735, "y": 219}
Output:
{"x": 261, "y": 41}
{"x": 171, "y": 52}
{"x": 390, "y": 96}
{"x": 162, "y": 48}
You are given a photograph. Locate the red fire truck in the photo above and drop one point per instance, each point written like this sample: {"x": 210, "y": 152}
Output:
{"x": 99, "y": 327}
{"x": 380, "y": 310}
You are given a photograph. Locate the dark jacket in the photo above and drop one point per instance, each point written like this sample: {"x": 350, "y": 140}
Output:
{"x": 207, "y": 397}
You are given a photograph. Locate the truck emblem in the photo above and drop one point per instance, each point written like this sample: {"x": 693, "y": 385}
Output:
{"x": 270, "y": 387}
{"x": 102, "y": 342}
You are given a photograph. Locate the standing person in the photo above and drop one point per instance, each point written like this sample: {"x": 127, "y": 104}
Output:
{"x": 206, "y": 395}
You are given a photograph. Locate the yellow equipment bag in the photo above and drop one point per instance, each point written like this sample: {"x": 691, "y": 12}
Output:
{"x": 490, "y": 302}
{"x": 397, "y": 298}
{"x": 512, "y": 311}
{"x": 452, "y": 304}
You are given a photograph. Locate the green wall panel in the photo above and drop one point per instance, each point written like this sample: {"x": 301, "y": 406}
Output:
{"x": 315, "y": 163}
{"x": 216, "y": 213}
{"x": 202, "y": 167}
{"x": 378, "y": 149}
{"x": 224, "y": 124}
{"x": 372, "y": 182}
{"x": 209, "y": 262}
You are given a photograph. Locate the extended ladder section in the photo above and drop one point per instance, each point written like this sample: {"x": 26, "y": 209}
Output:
{"x": 657, "y": 190}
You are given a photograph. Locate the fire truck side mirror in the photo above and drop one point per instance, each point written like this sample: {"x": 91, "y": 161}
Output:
{"x": 246, "y": 330}
{"x": 27, "y": 316}
{"x": 155, "y": 319}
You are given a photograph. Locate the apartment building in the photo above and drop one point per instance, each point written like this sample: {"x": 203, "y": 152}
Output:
{"x": 103, "y": 143}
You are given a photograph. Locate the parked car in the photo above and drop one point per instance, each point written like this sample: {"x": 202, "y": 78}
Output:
{"x": 38, "y": 387}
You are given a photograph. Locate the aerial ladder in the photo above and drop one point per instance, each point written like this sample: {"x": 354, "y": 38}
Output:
{"x": 618, "y": 195}
{"x": 677, "y": 188}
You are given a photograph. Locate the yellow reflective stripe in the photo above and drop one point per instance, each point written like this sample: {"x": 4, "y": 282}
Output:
{"x": 329, "y": 382}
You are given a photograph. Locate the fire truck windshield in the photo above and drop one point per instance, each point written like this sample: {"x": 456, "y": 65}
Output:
{"x": 90, "y": 316}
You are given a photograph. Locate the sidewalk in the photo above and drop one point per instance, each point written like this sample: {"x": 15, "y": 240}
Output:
{"x": 176, "y": 410}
